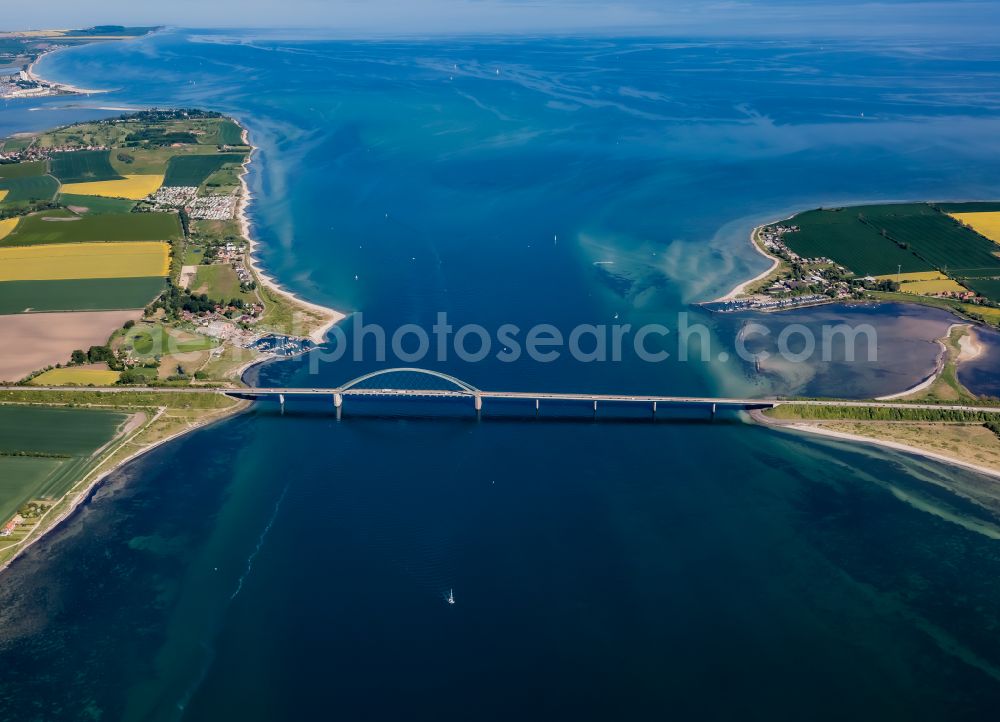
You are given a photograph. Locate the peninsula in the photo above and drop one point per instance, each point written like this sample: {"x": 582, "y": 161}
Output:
{"x": 19, "y": 51}
{"x": 126, "y": 258}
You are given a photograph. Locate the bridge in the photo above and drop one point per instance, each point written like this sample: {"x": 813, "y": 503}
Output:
{"x": 462, "y": 390}
{"x": 458, "y": 389}
{"x": 369, "y": 386}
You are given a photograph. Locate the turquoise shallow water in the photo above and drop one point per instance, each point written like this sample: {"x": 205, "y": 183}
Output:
{"x": 289, "y": 566}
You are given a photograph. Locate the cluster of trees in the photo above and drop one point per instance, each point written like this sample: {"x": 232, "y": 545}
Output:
{"x": 95, "y": 355}
{"x": 175, "y": 299}
{"x": 159, "y": 137}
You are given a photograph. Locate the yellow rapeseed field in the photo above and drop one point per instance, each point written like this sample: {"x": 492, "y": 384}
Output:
{"x": 988, "y": 224}
{"x": 76, "y": 377}
{"x": 133, "y": 187}
{"x": 925, "y": 288}
{"x": 84, "y": 260}
{"x": 7, "y": 225}
{"x": 3, "y": 194}
{"x": 910, "y": 277}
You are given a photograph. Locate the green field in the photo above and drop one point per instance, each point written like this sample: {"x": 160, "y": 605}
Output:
{"x": 229, "y": 133}
{"x": 29, "y": 188}
{"x": 22, "y": 170}
{"x": 96, "y": 205}
{"x": 220, "y": 282}
{"x": 155, "y": 340}
{"x": 879, "y": 239}
{"x": 192, "y": 170}
{"x": 10, "y": 145}
{"x": 90, "y": 294}
{"x": 937, "y": 238}
{"x": 970, "y": 207}
{"x": 989, "y": 287}
{"x": 83, "y": 166}
{"x": 840, "y": 235}
{"x": 62, "y": 441}
{"x": 35, "y": 230}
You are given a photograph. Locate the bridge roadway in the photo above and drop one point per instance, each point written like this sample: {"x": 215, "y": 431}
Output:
{"x": 477, "y": 396}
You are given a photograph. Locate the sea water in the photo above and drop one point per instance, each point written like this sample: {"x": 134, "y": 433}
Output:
{"x": 290, "y": 565}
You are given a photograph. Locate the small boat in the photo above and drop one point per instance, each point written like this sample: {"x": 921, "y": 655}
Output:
{"x": 451, "y": 596}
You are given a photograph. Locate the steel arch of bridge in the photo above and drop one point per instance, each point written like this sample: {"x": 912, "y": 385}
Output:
{"x": 462, "y": 385}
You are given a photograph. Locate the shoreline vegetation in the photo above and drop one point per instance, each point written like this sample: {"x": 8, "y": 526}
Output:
{"x": 158, "y": 418}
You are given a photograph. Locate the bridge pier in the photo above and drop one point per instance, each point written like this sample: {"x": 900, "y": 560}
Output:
{"x": 654, "y": 409}
{"x": 478, "y": 402}
{"x": 595, "y": 407}
{"x": 338, "y": 400}
{"x": 713, "y": 412}
{"x": 536, "y": 407}
{"x": 281, "y": 400}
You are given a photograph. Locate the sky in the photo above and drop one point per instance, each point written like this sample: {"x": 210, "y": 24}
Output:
{"x": 960, "y": 19}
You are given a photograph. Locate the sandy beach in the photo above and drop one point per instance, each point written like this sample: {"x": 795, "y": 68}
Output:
{"x": 818, "y": 430}
{"x": 330, "y": 315}
{"x": 58, "y": 88}
{"x": 740, "y": 288}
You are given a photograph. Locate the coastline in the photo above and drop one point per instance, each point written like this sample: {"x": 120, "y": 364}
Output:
{"x": 84, "y": 488}
{"x": 855, "y": 438}
{"x": 740, "y": 288}
{"x": 331, "y": 316}
{"x": 59, "y": 88}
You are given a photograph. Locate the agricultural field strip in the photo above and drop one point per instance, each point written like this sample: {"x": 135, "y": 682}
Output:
{"x": 79, "y": 294}
{"x": 85, "y": 260}
{"x": 931, "y": 238}
{"x": 132, "y": 187}
{"x": 45, "y": 228}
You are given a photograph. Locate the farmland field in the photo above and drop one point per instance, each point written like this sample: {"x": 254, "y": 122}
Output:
{"x": 29, "y": 188}
{"x": 937, "y": 238}
{"x": 56, "y": 430}
{"x": 839, "y": 234}
{"x": 95, "y": 205}
{"x": 86, "y": 294}
{"x": 84, "y": 260}
{"x": 985, "y": 223}
{"x": 7, "y": 225}
{"x": 220, "y": 282}
{"x": 70, "y": 436}
{"x": 35, "y": 229}
{"x": 928, "y": 287}
{"x": 969, "y": 207}
{"x": 919, "y": 237}
{"x": 69, "y": 376}
{"x": 989, "y": 287}
{"x": 3, "y": 194}
{"x": 134, "y": 187}
{"x": 83, "y": 166}
{"x": 229, "y": 133}
{"x": 22, "y": 170}
{"x": 45, "y": 340}
{"x": 192, "y": 170}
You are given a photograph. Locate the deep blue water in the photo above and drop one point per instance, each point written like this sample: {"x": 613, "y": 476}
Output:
{"x": 290, "y": 566}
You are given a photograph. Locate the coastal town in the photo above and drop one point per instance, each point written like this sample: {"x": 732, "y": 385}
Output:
{"x": 20, "y": 50}
{"x": 802, "y": 277}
